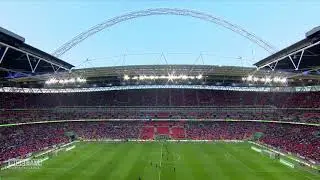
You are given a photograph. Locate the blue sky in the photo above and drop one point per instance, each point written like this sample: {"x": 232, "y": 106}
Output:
{"x": 49, "y": 24}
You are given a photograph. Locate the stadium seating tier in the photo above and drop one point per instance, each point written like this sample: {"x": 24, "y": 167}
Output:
{"x": 17, "y": 141}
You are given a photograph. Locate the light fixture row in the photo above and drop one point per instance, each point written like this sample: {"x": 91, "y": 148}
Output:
{"x": 169, "y": 77}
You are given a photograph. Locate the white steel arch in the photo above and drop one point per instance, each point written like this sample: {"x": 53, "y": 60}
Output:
{"x": 163, "y": 11}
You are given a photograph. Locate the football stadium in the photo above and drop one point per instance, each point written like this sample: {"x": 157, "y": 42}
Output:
{"x": 160, "y": 121}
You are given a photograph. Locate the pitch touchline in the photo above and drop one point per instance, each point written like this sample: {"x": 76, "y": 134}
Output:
{"x": 160, "y": 162}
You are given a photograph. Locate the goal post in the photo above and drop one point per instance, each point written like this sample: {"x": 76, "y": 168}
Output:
{"x": 162, "y": 137}
{"x": 270, "y": 154}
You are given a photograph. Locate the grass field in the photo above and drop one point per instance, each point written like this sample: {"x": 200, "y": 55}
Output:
{"x": 170, "y": 161}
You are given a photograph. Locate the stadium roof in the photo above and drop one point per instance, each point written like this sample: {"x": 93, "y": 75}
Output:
{"x": 20, "y": 59}
{"x": 114, "y": 76}
{"x": 27, "y": 66}
{"x": 226, "y": 72}
{"x": 301, "y": 57}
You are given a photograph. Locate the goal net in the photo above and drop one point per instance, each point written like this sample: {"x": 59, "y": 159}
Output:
{"x": 270, "y": 154}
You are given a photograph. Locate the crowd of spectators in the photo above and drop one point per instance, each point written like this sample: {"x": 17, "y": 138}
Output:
{"x": 298, "y": 139}
{"x": 20, "y": 140}
{"x": 25, "y": 107}
{"x": 301, "y": 140}
{"x": 161, "y": 97}
{"x": 17, "y": 141}
{"x": 106, "y": 130}
{"x": 36, "y": 115}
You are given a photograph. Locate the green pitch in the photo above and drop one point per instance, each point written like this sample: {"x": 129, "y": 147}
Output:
{"x": 160, "y": 161}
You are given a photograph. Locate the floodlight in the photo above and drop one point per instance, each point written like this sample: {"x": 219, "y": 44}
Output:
{"x": 141, "y": 77}
{"x": 276, "y": 79}
{"x": 283, "y": 80}
{"x": 268, "y": 79}
{"x": 184, "y": 77}
{"x": 199, "y": 76}
{"x": 126, "y": 77}
{"x": 170, "y": 77}
{"x": 72, "y": 80}
{"x": 162, "y": 77}
{"x": 249, "y": 78}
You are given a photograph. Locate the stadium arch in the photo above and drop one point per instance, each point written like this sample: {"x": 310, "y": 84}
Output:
{"x": 163, "y": 11}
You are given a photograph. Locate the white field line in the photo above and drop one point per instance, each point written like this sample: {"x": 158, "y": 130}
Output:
{"x": 160, "y": 162}
{"x": 52, "y": 149}
{"x": 83, "y": 158}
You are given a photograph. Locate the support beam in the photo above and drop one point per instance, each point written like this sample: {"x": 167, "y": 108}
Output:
{"x": 4, "y": 53}
{"x": 300, "y": 60}
{"x": 54, "y": 69}
{"x": 30, "y": 63}
{"x": 164, "y": 57}
{"x": 197, "y": 59}
{"x": 290, "y": 54}
{"x": 294, "y": 65}
{"x": 32, "y": 55}
{"x": 273, "y": 67}
{"x": 36, "y": 66}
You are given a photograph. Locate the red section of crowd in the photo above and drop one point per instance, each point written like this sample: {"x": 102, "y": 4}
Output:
{"x": 174, "y": 129}
{"x": 20, "y": 140}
